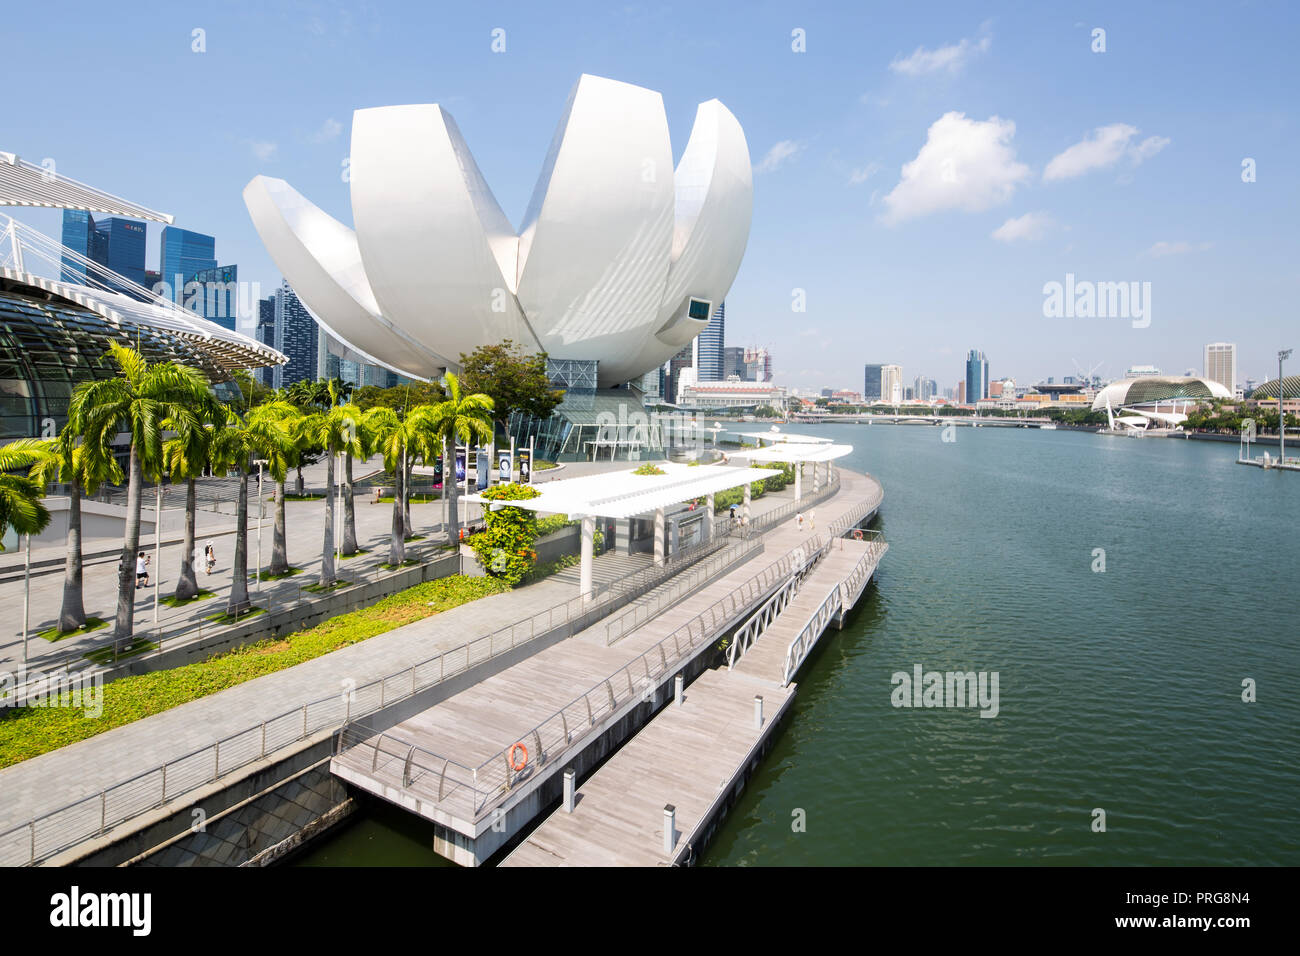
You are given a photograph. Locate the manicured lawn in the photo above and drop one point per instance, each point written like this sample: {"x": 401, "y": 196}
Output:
{"x": 354, "y": 554}
{"x": 173, "y": 601}
{"x": 319, "y": 588}
{"x": 105, "y": 654}
{"x": 280, "y": 576}
{"x": 223, "y": 618}
{"x": 54, "y": 634}
{"x": 27, "y": 732}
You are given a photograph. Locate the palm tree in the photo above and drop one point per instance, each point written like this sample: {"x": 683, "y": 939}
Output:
{"x": 68, "y": 461}
{"x": 355, "y": 447}
{"x": 389, "y": 436}
{"x": 295, "y": 452}
{"x": 459, "y": 418}
{"x": 333, "y": 431}
{"x": 185, "y": 457}
{"x": 237, "y": 441}
{"x": 136, "y": 400}
{"x": 20, "y": 496}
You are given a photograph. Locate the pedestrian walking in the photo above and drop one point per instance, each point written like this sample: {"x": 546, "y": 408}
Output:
{"x": 798, "y": 520}
{"x": 141, "y": 572}
{"x": 812, "y": 521}
{"x": 210, "y": 556}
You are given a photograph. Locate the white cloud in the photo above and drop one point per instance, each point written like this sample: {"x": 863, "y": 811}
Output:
{"x": 329, "y": 130}
{"x": 951, "y": 58}
{"x": 1103, "y": 147}
{"x": 863, "y": 173}
{"x": 262, "y": 150}
{"x": 1031, "y": 226}
{"x": 1178, "y": 248}
{"x": 777, "y": 155}
{"x": 965, "y": 164}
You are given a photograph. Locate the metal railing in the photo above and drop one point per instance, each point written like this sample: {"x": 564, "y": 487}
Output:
{"x": 834, "y": 603}
{"x": 489, "y": 783}
{"x": 660, "y": 599}
{"x": 92, "y": 816}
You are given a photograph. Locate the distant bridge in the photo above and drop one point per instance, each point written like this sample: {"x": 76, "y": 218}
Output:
{"x": 917, "y": 419}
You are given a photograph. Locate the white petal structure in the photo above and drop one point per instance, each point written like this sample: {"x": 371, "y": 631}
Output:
{"x": 618, "y": 258}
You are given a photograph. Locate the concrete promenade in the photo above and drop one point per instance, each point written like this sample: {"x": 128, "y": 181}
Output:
{"x": 44, "y": 783}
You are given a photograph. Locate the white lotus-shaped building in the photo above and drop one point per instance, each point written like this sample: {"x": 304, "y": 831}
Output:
{"x": 618, "y": 258}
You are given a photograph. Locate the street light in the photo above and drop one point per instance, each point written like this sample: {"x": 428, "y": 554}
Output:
{"x": 1281, "y": 411}
{"x": 261, "y": 507}
{"x": 157, "y": 547}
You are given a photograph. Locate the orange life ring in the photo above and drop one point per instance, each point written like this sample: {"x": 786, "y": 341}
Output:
{"x": 857, "y": 534}
{"x": 516, "y": 767}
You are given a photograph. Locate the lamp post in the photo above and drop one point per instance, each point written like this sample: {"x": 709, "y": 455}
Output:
{"x": 261, "y": 507}
{"x": 27, "y": 590}
{"x": 1281, "y": 411}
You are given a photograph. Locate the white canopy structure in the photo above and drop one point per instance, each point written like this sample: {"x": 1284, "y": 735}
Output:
{"x": 624, "y": 494}
{"x": 775, "y": 435}
{"x": 796, "y": 450}
{"x": 26, "y": 184}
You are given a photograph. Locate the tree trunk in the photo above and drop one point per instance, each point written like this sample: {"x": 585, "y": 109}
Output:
{"x": 188, "y": 584}
{"x": 123, "y": 624}
{"x": 279, "y": 548}
{"x": 409, "y": 470}
{"x": 453, "y": 517}
{"x": 299, "y": 492}
{"x": 239, "y": 602}
{"x": 327, "y": 576}
{"x": 349, "y": 510}
{"x": 397, "y": 536}
{"x": 73, "y": 613}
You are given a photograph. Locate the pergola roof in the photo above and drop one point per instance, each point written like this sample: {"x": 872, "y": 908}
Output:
{"x": 796, "y": 452}
{"x": 775, "y": 435}
{"x": 25, "y": 184}
{"x": 622, "y": 494}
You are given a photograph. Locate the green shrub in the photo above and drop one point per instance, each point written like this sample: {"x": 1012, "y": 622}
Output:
{"x": 27, "y": 732}
{"x": 505, "y": 546}
{"x": 649, "y": 468}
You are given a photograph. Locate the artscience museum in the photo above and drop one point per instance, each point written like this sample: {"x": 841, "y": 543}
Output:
{"x": 618, "y": 262}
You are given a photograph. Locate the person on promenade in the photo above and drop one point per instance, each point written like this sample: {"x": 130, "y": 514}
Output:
{"x": 812, "y": 521}
{"x": 210, "y": 557}
{"x": 798, "y": 520}
{"x": 141, "y": 572}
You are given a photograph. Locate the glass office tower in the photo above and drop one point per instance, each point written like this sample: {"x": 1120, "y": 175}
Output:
{"x": 709, "y": 347}
{"x": 977, "y": 376}
{"x": 183, "y": 254}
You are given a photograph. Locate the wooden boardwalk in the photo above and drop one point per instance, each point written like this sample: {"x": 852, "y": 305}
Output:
{"x": 448, "y": 762}
{"x": 687, "y": 757}
{"x": 695, "y": 755}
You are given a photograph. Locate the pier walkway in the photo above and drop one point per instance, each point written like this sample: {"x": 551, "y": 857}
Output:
{"x": 695, "y": 757}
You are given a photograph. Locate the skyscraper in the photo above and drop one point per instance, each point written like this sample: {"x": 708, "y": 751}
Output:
{"x": 709, "y": 345}
{"x": 117, "y": 244}
{"x": 183, "y": 254}
{"x": 871, "y": 384}
{"x": 977, "y": 376}
{"x": 758, "y": 365}
{"x": 733, "y": 363}
{"x": 891, "y": 383}
{"x": 297, "y": 336}
{"x": 1221, "y": 364}
{"x": 218, "y": 299}
{"x": 266, "y": 335}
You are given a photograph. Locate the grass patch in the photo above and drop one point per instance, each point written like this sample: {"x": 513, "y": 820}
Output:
{"x": 319, "y": 588}
{"x": 417, "y": 537}
{"x": 27, "y": 732}
{"x": 405, "y": 564}
{"x": 415, "y": 499}
{"x": 225, "y": 618}
{"x": 289, "y": 497}
{"x": 279, "y": 575}
{"x": 54, "y": 634}
{"x": 174, "y": 601}
{"x": 354, "y": 554}
{"x": 105, "y": 654}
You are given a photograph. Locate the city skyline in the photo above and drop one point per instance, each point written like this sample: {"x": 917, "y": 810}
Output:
{"x": 1068, "y": 178}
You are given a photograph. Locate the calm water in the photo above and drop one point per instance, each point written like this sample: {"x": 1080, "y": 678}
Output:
{"x": 1118, "y": 690}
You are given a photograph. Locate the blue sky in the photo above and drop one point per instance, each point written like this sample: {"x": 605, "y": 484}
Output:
{"x": 922, "y": 170}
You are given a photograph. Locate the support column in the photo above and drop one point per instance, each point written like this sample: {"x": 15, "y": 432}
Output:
{"x": 584, "y": 568}
{"x": 659, "y": 536}
{"x": 708, "y": 517}
{"x": 744, "y": 508}
{"x": 816, "y": 476}
{"x": 798, "y": 480}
